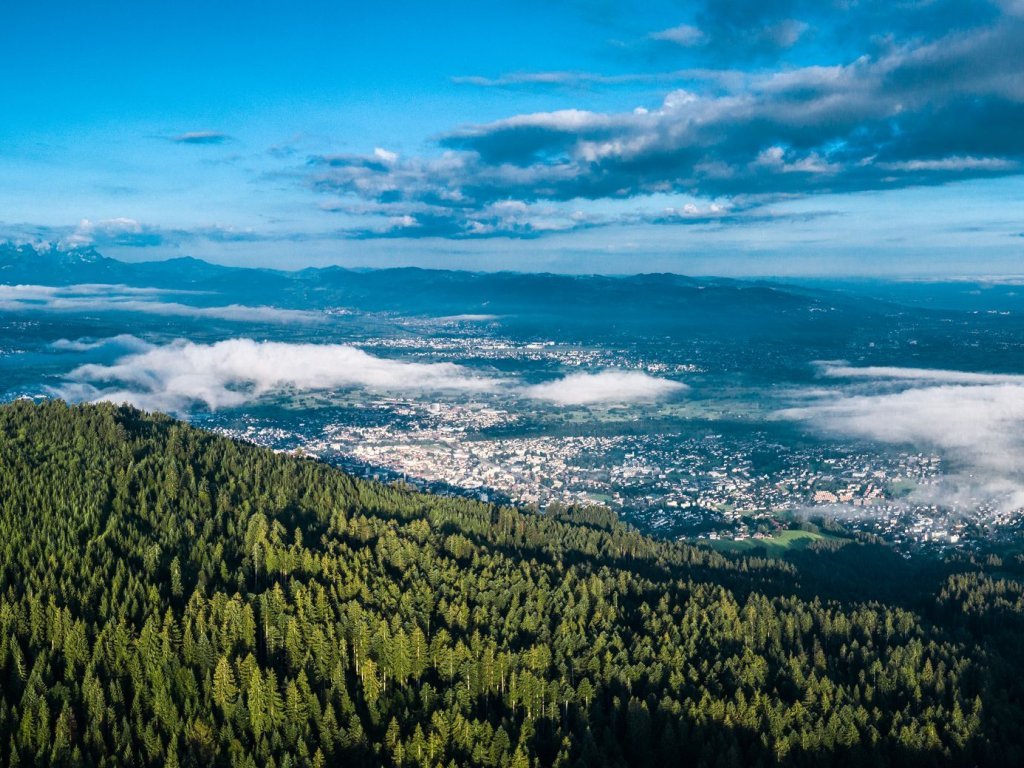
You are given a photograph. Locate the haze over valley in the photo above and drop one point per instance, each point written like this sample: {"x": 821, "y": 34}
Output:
{"x": 695, "y": 408}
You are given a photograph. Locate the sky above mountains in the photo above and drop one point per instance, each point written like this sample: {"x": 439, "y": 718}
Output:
{"x": 727, "y": 137}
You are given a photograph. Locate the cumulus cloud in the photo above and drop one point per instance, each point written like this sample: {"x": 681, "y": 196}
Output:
{"x": 863, "y": 118}
{"x": 611, "y": 386}
{"x": 974, "y": 420}
{"x": 78, "y": 299}
{"x": 578, "y": 79}
{"x": 119, "y": 231}
{"x": 179, "y": 376}
{"x": 928, "y": 109}
{"x": 503, "y": 218}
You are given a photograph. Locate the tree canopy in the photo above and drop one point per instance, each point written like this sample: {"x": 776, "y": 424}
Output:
{"x": 172, "y": 597}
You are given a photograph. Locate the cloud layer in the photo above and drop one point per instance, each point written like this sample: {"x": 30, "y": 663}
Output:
{"x": 925, "y": 375}
{"x": 940, "y": 105}
{"x": 605, "y": 387}
{"x": 123, "y": 341}
{"x": 738, "y": 108}
{"x": 975, "y": 421}
{"x": 123, "y": 298}
{"x": 231, "y": 373}
{"x": 181, "y": 375}
{"x": 124, "y": 232}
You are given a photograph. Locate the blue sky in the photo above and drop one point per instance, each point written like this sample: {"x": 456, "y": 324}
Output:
{"x": 729, "y": 137}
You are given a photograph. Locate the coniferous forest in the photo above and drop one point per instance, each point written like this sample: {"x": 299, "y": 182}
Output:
{"x": 169, "y": 597}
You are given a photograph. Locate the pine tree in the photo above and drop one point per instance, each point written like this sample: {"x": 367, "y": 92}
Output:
{"x": 225, "y": 689}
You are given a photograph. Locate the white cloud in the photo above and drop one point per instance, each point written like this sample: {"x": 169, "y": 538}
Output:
{"x": 90, "y": 232}
{"x": 121, "y": 298}
{"x": 468, "y": 318}
{"x": 122, "y": 341}
{"x": 954, "y": 163}
{"x": 974, "y": 420}
{"x": 935, "y": 375}
{"x": 231, "y": 373}
{"x": 755, "y": 136}
{"x": 979, "y": 420}
{"x": 610, "y": 386}
{"x": 786, "y": 33}
{"x": 774, "y": 158}
{"x": 722, "y": 77}
{"x": 179, "y": 376}
{"x": 684, "y": 35}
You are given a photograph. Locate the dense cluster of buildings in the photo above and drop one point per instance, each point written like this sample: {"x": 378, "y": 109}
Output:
{"x": 677, "y": 484}
{"x": 483, "y": 348}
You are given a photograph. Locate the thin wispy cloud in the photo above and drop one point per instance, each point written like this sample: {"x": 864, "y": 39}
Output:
{"x": 123, "y": 341}
{"x": 955, "y": 163}
{"x": 761, "y": 31}
{"x": 201, "y": 138}
{"x": 467, "y": 318}
{"x": 126, "y": 232}
{"x": 79, "y": 299}
{"x": 920, "y": 375}
{"x": 577, "y": 79}
{"x": 685, "y": 35}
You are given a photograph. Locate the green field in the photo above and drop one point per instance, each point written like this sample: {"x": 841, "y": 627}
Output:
{"x": 777, "y": 545}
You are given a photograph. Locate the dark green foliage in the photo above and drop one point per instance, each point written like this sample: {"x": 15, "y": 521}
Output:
{"x": 169, "y": 597}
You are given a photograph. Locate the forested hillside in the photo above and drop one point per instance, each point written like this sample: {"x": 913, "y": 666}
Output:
{"x": 170, "y": 597}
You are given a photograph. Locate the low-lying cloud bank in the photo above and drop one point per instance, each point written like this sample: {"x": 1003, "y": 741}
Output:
{"x": 605, "y": 387}
{"x": 839, "y": 370}
{"x": 123, "y": 341}
{"x": 123, "y": 298}
{"x": 181, "y": 375}
{"x": 467, "y": 318}
{"x": 974, "y": 420}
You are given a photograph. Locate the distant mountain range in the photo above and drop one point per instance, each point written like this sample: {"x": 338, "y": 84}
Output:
{"x": 23, "y": 264}
{"x": 626, "y": 302}
{"x": 552, "y": 304}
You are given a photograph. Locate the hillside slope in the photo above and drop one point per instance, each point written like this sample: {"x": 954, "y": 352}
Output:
{"x": 170, "y": 597}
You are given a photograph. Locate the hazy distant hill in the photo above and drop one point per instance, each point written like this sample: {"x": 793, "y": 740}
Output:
{"x": 26, "y": 265}
{"x": 643, "y": 303}
{"x": 54, "y": 266}
{"x": 752, "y": 326}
